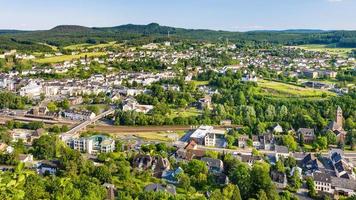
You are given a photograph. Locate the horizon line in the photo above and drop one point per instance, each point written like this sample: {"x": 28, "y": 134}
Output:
{"x": 211, "y": 29}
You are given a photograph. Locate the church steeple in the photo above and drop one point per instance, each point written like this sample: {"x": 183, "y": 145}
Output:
{"x": 339, "y": 116}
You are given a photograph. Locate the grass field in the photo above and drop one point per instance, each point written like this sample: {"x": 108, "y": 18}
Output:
{"x": 54, "y": 48}
{"x": 56, "y": 59}
{"x": 89, "y": 46}
{"x": 199, "y": 83}
{"x": 277, "y": 89}
{"x": 185, "y": 112}
{"x": 325, "y": 48}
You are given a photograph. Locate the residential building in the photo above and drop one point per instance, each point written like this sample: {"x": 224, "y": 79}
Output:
{"x": 31, "y": 90}
{"x": 208, "y": 136}
{"x": 322, "y": 182}
{"x": 92, "y": 145}
{"x": 79, "y": 115}
{"x": 214, "y": 165}
{"x": 306, "y": 134}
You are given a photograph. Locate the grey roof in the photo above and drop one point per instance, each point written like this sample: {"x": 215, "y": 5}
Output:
{"x": 322, "y": 177}
{"x": 155, "y": 187}
{"x": 306, "y": 131}
{"x": 281, "y": 149}
{"x": 343, "y": 183}
{"x": 336, "y": 157}
{"x": 212, "y": 162}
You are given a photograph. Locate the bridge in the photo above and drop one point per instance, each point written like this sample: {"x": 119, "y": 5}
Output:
{"x": 74, "y": 132}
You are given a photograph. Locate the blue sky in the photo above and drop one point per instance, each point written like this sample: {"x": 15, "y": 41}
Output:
{"x": 234, "y": 15}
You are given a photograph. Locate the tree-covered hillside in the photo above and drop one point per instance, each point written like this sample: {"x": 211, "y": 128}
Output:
{"x": 68, "y": 34}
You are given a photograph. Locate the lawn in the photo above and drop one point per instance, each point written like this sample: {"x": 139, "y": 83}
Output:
{"x": 199, "y": 83}
{"x": 152, "y": 136}
{"x": 189, "y": 112}
{"x": 324, "y": 48}
{"x": 277, "y": 89}
{"x": 57, "y": 59}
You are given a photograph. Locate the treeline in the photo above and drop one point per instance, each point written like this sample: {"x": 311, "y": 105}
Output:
{"x": 67, "y": 35}
{"x": 12, "y": 101}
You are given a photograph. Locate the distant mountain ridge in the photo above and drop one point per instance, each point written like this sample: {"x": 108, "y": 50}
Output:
{"x": 63, "y": 35}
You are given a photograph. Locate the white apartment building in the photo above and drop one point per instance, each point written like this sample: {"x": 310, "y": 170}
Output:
{"x": 31, "y": 90}
{"x": 92, "y": 145}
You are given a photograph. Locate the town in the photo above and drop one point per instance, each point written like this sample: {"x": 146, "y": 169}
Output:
{"x": 154, "y": 112}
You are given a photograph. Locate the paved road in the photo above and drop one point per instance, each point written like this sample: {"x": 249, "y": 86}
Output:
{"x": 350, "y": 155}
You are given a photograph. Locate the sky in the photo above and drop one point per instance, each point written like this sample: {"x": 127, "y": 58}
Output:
{"x": 232, "y": 15}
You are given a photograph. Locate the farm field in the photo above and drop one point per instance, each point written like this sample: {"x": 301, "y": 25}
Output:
{"x": 89, "y": 46}
{"x": 54, "y": 48}
{"x": 56, "y": 59}
{"x": 277, "y": 89}
{"x": 325, "y": 48}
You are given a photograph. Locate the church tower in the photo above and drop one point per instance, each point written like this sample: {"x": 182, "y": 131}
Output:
{"x": 339, "y": 116}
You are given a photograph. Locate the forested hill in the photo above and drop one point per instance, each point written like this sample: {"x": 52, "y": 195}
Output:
{"x": 70, "y": 34}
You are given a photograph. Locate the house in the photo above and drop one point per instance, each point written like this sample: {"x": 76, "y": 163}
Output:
{"x": 21, "y": 134}
{"x": 157, "y": 164}
{"x": 47, "y": 167}
{"x": 310, "y": 164}
{"x": 171, "y": 175}
{"x": 214, "y": 165}
{"x": 242, "y": 141}
{"x": 281, "y": 151}
{"x": 249, "y": 159}
{"x": 220, "y": 179}
{"x": 189, "y": 152}
{"x": 278, "y": 129}
{"x": 256, "y": 142}
{"x": 306, "y": 134}
{"x": 266, "y": 141}
{"x": 142, "y": 162}
{"x": 132, "y": 105}
{"x": 249, "y": 78}
{"x": 343, "y": 187}
{"x": 322, "y": 183}
{"x": 310, "y": 74}
{"x": 205, "y": 102}
{"x": 75, "y": 100}
{"x": 343, "y": 168}
{"x": 279, "y": 178}
{"x": 26, "y": 158}
{"x": 156, "y": 187}
{"x": 79, "y": 115}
